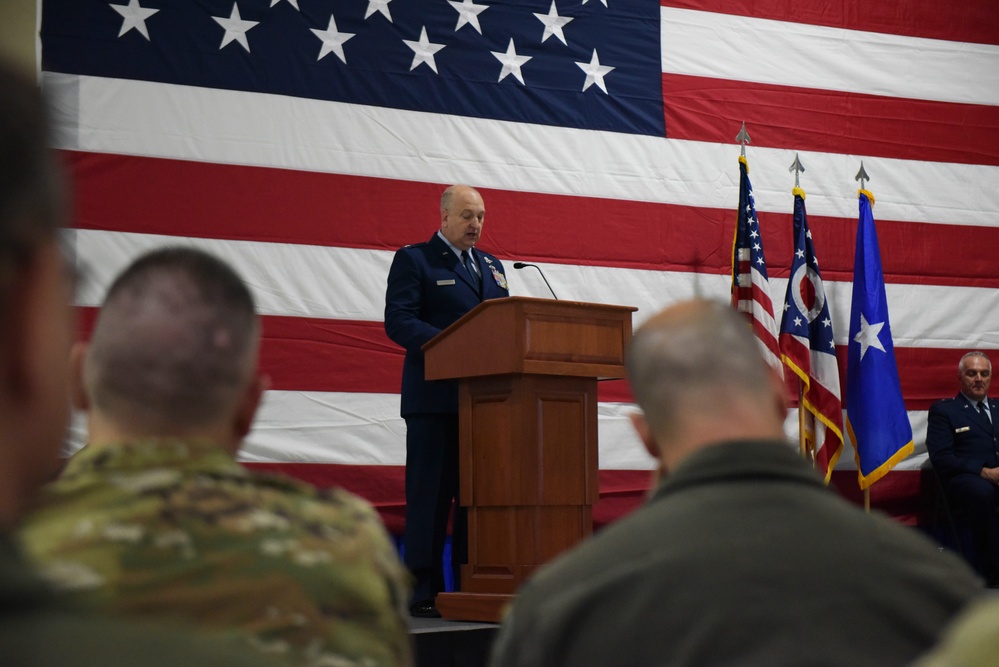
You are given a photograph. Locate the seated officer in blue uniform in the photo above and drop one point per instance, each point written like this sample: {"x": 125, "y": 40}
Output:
{"x": 430, "y": 286}
{"x": 961, "y": 438}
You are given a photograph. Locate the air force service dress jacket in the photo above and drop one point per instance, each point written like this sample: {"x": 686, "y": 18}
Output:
{"x": 428, "y": 290}
{"x": 960, "y": 439}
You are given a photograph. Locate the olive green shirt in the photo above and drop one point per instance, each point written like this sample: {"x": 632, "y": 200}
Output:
{"x": 179, "y": 529}
{"x": 36, "y": 630}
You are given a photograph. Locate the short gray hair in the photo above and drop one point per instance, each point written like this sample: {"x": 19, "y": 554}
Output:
{"x": 973, "y": 353}
{"x": 175, "y": 341}
{"x": 690, "y": 357}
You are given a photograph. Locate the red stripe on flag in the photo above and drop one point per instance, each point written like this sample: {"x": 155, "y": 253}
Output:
{"x": 829, "y": 121}
{"x": 621, "y": 491}
{"x": 311, "y": 354}
{"x": 963, "y": 21}
{"x": 900, "y": 493}
{"x": 205, "y": 200}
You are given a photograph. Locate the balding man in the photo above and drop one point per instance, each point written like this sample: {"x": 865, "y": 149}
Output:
{"x": 36, "y": 330}
{"x": 962, "y": 440}
{"x": 155, "y": 518}
{"x": 430, "y": 286}
{"x": 741, "y": 556}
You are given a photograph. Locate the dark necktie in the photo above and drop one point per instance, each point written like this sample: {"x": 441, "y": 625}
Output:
{"x": 984, "y": 410}
{"x": 466, "y": 259}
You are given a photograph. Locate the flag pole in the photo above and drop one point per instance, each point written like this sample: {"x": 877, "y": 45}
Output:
{"x": 802, "y": 442}
{"x": 743, "y": 138}
{"x": 797, "y": 168}
{"x": 863, "y": 178}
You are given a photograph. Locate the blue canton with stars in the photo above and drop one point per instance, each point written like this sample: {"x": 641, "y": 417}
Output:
{"x": 748, "y": 242}
{"x": 593, "y": 64}
{"x": 806, "y": 309}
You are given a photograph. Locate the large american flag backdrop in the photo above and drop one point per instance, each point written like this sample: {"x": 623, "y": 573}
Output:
{"x": 305, "y": 140}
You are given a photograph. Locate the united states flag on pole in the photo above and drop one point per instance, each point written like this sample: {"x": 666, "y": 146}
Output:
{"x": 808, "y": 349}
{"x": 750, "y": 283}
{"x": 875, "y": 411}
{"x": 306, "y": 140}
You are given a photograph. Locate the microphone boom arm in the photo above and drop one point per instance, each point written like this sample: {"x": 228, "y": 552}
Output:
{"x": 520, "y": 265}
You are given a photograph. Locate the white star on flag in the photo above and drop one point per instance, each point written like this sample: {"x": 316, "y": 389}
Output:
{"x": 134, "y": 16}
{"x": 293, "y": 3}
{"x": 333, "y": 40}
{"x": 595, "y": 72}
{"x": 235, "y": 28}
{"x": 380, "y": 6}
{"x": 603, "y": 1}
{"x": 423, "y": 51}
{"x": 468, "y": 14}
{"x": 511, "y": 62}
{"x": 868, "y": 336}
{"x": 553, "y": 24}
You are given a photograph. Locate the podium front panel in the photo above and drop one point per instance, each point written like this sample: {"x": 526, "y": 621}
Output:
{"x": 528, "y": 440}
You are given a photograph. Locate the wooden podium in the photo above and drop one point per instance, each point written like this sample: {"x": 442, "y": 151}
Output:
{"x": 527, "y": 371}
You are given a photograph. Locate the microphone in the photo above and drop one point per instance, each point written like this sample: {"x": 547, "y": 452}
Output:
{"x": 520, "y": 265}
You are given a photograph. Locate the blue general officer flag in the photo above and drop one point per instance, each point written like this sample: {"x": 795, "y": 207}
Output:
{"x": 875, "y": 412}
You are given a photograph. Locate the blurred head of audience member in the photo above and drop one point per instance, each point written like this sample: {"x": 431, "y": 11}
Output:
{"x": 36, "y": 331}
{"x": 155, "y": 518}
{"x": 741, "y": 555}
{"x": 36, "y": 318}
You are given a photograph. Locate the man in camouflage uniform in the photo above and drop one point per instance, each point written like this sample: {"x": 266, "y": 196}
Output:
{"x": 154, "y": 517}
{"x": 36, "y": 330}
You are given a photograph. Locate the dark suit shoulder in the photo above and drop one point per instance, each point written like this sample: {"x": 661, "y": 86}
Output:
{"x": 948, "y": 403}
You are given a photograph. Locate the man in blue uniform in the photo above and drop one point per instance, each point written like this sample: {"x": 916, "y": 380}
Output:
{"x": 961, "y": 438}
{"x": 430, "y": 286}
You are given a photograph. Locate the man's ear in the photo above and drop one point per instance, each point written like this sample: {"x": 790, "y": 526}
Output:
{"x": 247, "y": 408}
{"x": 77, "y": 386}
{"x": 641, "y": 427}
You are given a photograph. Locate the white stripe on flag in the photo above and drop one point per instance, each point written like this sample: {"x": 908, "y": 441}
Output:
{"x": 231, "y": 127}
{"x": 741, "y": 48}
{"x": 283, "y": 278}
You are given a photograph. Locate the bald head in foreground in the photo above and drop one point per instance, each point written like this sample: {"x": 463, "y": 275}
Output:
{"x": 155, "y": 518}
{"x": 741, "y": 556}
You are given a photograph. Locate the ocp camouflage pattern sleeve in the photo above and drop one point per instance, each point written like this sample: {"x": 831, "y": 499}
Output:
{"x": 179, "y": 529}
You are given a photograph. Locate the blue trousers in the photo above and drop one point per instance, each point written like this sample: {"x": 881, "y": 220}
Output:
{"x": 431, "y": 492}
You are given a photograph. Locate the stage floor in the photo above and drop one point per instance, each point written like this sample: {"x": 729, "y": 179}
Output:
{"x": 441, "y": 643}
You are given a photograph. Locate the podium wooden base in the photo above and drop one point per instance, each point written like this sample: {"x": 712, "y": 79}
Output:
{"x": 484, "y": 607}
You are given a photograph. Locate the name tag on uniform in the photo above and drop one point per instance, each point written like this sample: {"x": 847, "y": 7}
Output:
{"x": 446, "y": 282}
{"x": 962, "y": 429}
